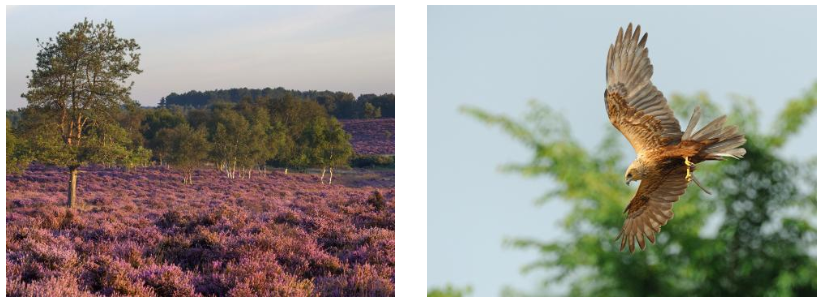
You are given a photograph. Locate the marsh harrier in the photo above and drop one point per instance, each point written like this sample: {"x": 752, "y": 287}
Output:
{"x": 666, "y": 156}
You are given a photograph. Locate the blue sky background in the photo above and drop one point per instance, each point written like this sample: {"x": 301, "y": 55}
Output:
{"x": 346, "y": 48}
{"x": 497, "y": 58}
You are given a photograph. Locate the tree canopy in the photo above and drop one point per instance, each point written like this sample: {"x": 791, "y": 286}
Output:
{"x": 189, "y": 149}
{"x": 762, "y": 245}
{"x": 342, "y": 105}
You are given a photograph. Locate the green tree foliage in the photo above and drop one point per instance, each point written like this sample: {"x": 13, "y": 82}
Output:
{"x": 74, "y": 95}
{"x": 308, "y": 134}
{"x": 156, "y": 127}
{"x": 231, "y": 138}
{"x": 322, "y": 143}
{"x": 761, "y": 245}
{"x": 189, "y": 149}
{"x": 371, "y": 111}
{"x": 342, "y": 105}
{"x": 336, "y": 150}
{"x": 131, "y": 118}
{"x": 249, "y": 134}
{"x": 160, "y": 118}
{"x": 265, "y": 139}
{"x": 162, "y": 143}
{"x": 450, "y": 291}
{"x": 13, "y": 117}
{"x": 17, "y": 151}
{"x": 384, "y": 103}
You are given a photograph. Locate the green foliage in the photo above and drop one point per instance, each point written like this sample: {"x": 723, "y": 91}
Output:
{"x": 285, "y": 131}
{"x": 372, "y": 161}
{"x": 337, "y": 148}
{"x": 339, "y": 104}
{"x": 450, "y": 291}
{"x": 793, "y": 117}
{"x": 189, "y": 148}
{"x": 17, "y": 152}
{"x": 76, "y": 93}
{"x": 371, "y": 112}
{"x": 264, "y": 140}
{"x": 764, "y": 204}
{"x": 158, "y": 119}
{"x": 321, "y": 143}
{"x": 229, "y": 135}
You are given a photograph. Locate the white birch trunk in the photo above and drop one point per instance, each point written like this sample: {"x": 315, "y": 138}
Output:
{"x": 234, "y": 170}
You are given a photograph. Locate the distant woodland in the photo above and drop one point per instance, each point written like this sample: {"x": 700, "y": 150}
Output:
{"x": 342, "y": 105}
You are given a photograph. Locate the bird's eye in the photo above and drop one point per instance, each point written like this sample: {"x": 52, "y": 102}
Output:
{"x": 630, "y": 176}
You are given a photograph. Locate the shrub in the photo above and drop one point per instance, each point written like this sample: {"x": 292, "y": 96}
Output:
{"x": 167, "y": 281}
{"x": 372, "y": 161}
{"x": 114, "y": 277}
{"x": 377, "y": 201}
{"x": 363, "y": 280}
{"x": 60, "y": 286}
{"x": 260, "y": 275}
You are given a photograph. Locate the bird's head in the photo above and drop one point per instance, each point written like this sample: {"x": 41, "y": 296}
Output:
{"x": 635, "y": 171}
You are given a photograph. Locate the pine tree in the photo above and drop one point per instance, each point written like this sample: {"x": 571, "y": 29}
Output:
{"x": 74, "y": 94}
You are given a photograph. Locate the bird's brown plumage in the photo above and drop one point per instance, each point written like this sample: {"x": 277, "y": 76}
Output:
{"x": 640, "y": 112}
{"x": 635, "y": 107}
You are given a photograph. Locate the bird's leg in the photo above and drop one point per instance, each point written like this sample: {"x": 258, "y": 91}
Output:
{"x": 688, "y": 165}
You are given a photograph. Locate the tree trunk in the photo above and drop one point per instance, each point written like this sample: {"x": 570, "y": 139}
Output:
{"x": 72, "y": 194}
{"x": 322, "y": 178}
{"x": 330, "y": 170}
{"x": 234, "y": 171}
{"x": 286, "y": 171}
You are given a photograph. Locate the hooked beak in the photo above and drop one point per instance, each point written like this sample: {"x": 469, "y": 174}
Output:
{"x": 627, "y": 182}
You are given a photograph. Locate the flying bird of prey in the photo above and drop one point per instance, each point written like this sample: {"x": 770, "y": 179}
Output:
{"x": 666, "y": 156}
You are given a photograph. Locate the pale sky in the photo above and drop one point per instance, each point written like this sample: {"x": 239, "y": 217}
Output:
{"x": 498, "y": 57}
{"x": 338, "y": 48}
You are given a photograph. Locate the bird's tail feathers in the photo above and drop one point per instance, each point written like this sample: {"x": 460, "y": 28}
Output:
{"x": 722, "y": 141}
{"x": 692, "y": 124}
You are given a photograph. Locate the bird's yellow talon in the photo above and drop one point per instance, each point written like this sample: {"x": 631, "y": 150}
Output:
{"x": 688, "y": 169}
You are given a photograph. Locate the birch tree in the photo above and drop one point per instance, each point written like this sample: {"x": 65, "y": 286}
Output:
{"x": 189, "y": 150}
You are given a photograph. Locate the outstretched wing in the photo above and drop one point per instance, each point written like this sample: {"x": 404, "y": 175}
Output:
{"x": 650, "y": 208}
{"x": 635, "y": 107}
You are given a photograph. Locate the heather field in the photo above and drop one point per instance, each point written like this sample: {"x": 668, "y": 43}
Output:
{"x": 143, "y": 233}
{"x": 371, "y": 136}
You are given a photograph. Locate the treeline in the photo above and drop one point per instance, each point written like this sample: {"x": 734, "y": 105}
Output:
{"x": 80, "y": 112}
{"x": 235, "y": 138}
{"x": 342, "y": 105}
